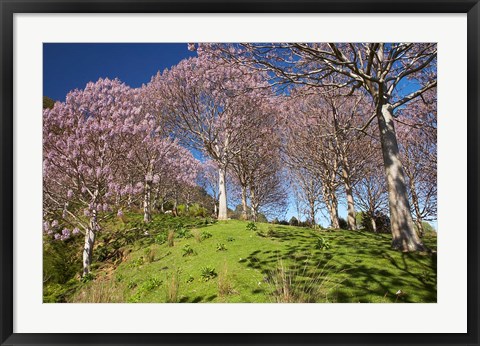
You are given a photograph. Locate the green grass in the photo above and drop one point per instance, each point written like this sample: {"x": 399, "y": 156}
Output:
{"x": 272, "y": 264}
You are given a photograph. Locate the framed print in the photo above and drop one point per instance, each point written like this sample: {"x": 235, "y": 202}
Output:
{"x": 239, "y": 173}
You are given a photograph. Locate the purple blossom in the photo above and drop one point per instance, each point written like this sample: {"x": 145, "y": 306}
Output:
{"x": 66, "y": 232}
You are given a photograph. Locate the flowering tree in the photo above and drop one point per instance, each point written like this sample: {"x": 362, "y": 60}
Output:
{"x": 82, "y": 143}
{"x": 258, "y": 171}
{"x": 370, "y": 188}
{"x": 203, "y": 102}
{"x": 209, "y": 181}
{"x": 268, "y": 190}
{"x": 258, "y": 143}
{"x": 153, "y": 159}
{"x": 307, "y": 188}
{"x": 183, "y": 172}
{"x": 311, "y": 148}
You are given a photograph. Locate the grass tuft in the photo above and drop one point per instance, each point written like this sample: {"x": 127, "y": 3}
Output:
{"x": 225, "y": 286}
{"x": 171, "y": 238}
{"x": 173, "y": 284}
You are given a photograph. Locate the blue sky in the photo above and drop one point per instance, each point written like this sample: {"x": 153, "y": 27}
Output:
{"x": 68, "y": 66}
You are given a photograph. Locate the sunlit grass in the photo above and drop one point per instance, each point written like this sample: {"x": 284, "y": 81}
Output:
{"x": 271, "y": 264}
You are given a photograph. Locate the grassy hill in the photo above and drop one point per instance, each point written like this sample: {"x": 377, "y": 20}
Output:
{"x": 232, "y": 261}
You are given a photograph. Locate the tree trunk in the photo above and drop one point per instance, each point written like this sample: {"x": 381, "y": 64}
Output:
{"x": 348, "y": 190}
{"x": 147, "y": 212}
{"x": 416, "y": 207}
{"x": 419, "y": 223}
{"x": 254, "y": 212}
{"x": 222, "y": 195}
{"x": 404, "y": 236}
{"x": 312, "y": 213}
{"x": 373, "y": 223}
{"x": 334, "y": 211}
{"x": 332, "y": 205}
{"x": 129, "y": 202}
{"x": 89, "y": 243}
{"x": 244, "y": 203}
{"x": 175, "y": 204}
{"x": 254, "y": 206}
{"x": 156, "y": 198}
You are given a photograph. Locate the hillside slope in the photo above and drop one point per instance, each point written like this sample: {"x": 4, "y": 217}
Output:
{"x": 228, "y": 262}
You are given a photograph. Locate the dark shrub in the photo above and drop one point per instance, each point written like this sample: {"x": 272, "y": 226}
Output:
{"x": 342, "y": 223}
{"x": 382, "y": 222}
{"x": 293, "y": 221}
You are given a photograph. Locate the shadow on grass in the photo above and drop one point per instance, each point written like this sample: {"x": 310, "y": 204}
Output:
{"x": 361, "y": 266}
{"x": 198, "y": 299}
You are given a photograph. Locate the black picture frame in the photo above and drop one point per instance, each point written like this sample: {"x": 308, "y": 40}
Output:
{"x": 9, "y": 7}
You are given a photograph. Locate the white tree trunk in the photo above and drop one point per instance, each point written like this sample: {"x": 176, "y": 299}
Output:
{"x": 129, "y": 202}
{"x": 419, "y": 223}
{"x": 244, "y": 203}
{"x": 253, "y": 206}
{"x": 333, "y": 211}
{"x": 222, "y": 195}
{"x": 332, "y": 205}
{"x": 89, "y": 243}
{"x": 404, "y": 236}
{"x": 312, "y": 213}
{"x": 147, "y": 212}
{"x": 348, "y": 190}
{"x": 416, "y": 207}
{"x": 373, "y": 223}
{"x": 156, "y": 199}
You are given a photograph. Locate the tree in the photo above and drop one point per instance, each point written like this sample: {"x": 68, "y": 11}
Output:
{"x": 308, "y": 188}
{"x": 82, "y": 141}
{"x": 202, "y": 101}
{"x": 346, "y": 112}
{"x": 370, "y": 189}
{"x": 418, "y": 148}
{"x": 311, "y": 151}
{"x": 209, "y": 181}
{"x": 293, "y": 221}
{"x": 267, "y": 189}
{"x": 258, "y": 143}
{"x": 256, "y": 165}
{"x": 377, "y": 69}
